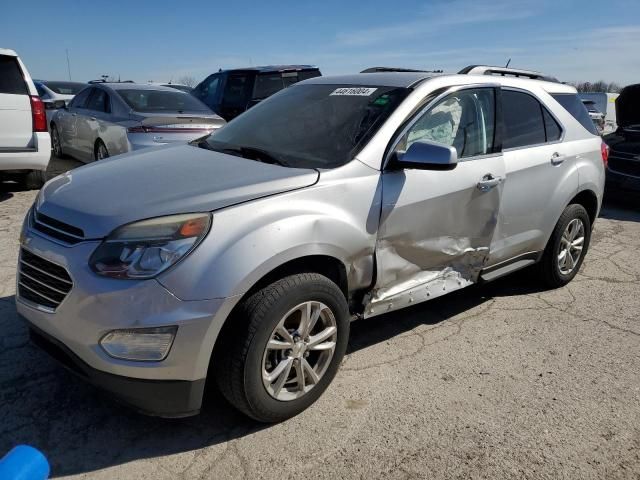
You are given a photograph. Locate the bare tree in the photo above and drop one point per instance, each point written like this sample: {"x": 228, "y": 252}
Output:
{"x": 188, "y": 80}
{"x": 599, "y": 86}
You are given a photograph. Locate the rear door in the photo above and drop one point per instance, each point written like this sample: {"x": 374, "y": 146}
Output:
{"x": 91, "y": 122}
{"x": 66, "y": 122}
{"x": 540, "y": 170}
{"x": 436, "y": 226}
{"x": 16, "y": 129}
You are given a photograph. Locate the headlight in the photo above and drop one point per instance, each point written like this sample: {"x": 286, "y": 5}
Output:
{"x": 140, "y": 344}
{"x": 145, "y": 249}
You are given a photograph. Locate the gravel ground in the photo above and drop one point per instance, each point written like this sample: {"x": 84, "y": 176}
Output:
{"x": 498, "y": 381}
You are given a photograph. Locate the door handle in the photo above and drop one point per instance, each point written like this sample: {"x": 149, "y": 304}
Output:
{"x": 488, "y": 182}
{"x": 557, "y": 159}
{"x": 73, "y": 114}
{"x": 92, "y": 118}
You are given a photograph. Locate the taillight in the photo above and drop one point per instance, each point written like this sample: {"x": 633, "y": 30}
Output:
{"x": 604, "y": 150}
{"x": 38, "y": 115}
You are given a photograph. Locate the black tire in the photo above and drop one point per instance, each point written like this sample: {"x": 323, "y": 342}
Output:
{"x": 100, "y": 151}
{"x": 56, "y": 144}
{"x": 34, "y": 179}
{"x": 548, "y": 267}
{"x": 237, "y": 363}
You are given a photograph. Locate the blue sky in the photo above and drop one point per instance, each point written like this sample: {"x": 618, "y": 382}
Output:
{"x": 160, "y": 40}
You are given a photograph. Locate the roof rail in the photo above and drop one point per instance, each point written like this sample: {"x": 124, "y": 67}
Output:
{"x": 507, "y": 72}
{"x": 102, "y": 80}
{"x": 397, "y": 69}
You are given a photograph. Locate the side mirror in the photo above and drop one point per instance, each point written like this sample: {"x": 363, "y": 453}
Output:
{"x": 426, "y": 155}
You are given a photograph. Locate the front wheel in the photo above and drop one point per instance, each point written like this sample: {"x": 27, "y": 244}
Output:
{"x": 286, "y": 345}
{"x": 567, "y": 247}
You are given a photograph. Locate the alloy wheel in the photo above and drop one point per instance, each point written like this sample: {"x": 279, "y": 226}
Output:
{"x": 571, "y": 245}
{"x": 299, "y": 351}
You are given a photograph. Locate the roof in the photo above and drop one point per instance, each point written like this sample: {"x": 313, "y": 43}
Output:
{"x": 382, "y": 79}
{"x": 271, "y": 68}
{"x": 6, "y": 51}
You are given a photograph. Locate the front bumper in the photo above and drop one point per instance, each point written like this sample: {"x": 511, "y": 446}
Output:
{"x": 164, "y": 398}
{"x": 96, "y": 305}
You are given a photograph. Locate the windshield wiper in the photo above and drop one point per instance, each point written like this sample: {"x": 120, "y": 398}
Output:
{"x": 251, "y": 153}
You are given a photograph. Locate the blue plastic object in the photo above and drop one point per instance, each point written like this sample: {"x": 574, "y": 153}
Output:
{"x": 24, "y": 463}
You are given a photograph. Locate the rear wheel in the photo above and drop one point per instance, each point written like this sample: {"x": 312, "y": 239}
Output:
{"x": 284, "y": 347}
{"x": 567, "y": 247}
{"x": 56, "y": 144}
{"x": 100, "y": 151}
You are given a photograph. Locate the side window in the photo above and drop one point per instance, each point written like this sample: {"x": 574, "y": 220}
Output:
{"x": 236, "y": 91}
{"x": 551, "y": 127}
{"x": 80, "y": 99}
{"x": 99, "y": 101}
{"x": 464, "y": 120}
{"x": 11, "y": 80}
{"x": 572, "y": 104}
{"x": 208, "y": 90}
{"x": 523, "y": 122}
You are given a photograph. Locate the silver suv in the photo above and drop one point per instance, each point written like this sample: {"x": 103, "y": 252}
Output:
{"x": 242, "y": 257}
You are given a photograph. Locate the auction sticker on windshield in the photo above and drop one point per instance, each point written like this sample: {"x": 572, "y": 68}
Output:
{"x": 358, "y": 91}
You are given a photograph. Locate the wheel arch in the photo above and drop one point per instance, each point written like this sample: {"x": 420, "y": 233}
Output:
{"x": 589, "y": 200}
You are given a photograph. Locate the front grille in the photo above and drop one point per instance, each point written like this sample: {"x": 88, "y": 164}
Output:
{"x": 624, "y": 166}
{"x": 42, "y": 282}
{"x": 56, "y": 229}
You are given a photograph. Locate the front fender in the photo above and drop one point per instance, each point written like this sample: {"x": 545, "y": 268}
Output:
{"x": 250, "y": 240}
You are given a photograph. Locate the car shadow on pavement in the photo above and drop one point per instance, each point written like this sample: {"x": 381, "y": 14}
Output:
{"x": 626, "y": 209}
{"x": 81, "y": 430}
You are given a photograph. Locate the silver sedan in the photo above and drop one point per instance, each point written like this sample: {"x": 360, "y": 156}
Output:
{"x": 107, "y": 119}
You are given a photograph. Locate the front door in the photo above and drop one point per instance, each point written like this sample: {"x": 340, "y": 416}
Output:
{"x": 436, "y": 226}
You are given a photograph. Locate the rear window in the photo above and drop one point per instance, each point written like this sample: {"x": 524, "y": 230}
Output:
{"x": 11, "y": 80}
{"x": 153, "y": 101}
{"x": 65, "y": 88}
{"x": 576, "y": 108}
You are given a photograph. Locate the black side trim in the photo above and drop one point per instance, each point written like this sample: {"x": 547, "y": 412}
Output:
{"x": 18, "y": 150}
{"x": 163, "y": 398}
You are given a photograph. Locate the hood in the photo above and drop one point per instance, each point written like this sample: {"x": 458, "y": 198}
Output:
{"x": 628, "y": 106}
{"x": 161, "y": 181}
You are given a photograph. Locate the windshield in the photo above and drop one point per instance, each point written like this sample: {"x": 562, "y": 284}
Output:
{"x": 310, "y": 126}
{"x": 151, "y": 101}
{"x": 65, "y": 88}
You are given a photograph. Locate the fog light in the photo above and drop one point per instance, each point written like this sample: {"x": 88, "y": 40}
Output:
{"x": 141, "y": 344}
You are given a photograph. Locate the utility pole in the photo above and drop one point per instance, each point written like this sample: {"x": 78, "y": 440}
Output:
{"x": 68, "y": 64}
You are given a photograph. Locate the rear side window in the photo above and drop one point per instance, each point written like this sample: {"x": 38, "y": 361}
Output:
{"x": 551, "y": 127}
{"x": 11, "y": 80}
{"x": 99, "y": 101}
{"x": 572, "y": 104}
{"x": 523, "y": 122}
{"x": 237, "y": 91}
{"x": 80, "y": 99}
{"x": 267, "y": 85}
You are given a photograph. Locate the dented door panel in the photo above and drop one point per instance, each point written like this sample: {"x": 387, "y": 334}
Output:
{"x": 435, "y": 233}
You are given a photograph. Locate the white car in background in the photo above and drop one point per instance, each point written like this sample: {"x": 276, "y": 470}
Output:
{"x": 25, "y": 145}
{"x": 56, "y": 95}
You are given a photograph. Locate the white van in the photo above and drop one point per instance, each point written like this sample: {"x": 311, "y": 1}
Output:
{"x": 25, "y": 145}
